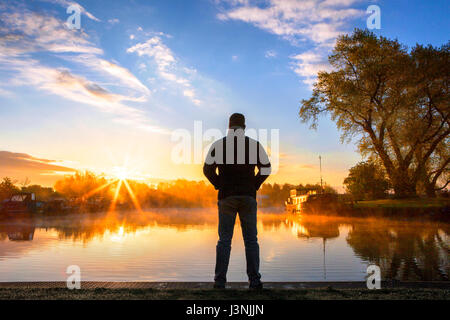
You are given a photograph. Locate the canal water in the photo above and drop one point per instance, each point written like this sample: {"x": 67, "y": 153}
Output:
{"x": 179, "y": 245}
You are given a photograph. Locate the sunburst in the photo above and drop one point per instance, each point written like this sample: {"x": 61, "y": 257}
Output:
{"x": 116, "y": 195}
{"x": 119, "y": 182}
{"x": 133, "y": 196}
{"x": 96, "y": 190}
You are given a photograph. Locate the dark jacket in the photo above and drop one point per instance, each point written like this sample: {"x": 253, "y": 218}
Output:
{"x": 233, "y": 173}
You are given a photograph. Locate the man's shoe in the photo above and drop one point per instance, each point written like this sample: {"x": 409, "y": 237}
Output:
{"x": 219, "y": 285}
{"x": 258, "y": 286}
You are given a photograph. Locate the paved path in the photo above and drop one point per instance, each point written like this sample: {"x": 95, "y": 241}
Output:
{"x": 231, "y": 285}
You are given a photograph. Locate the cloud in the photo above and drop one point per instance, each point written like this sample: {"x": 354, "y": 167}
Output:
{"x": 157, "y": 50}
{"x": 189, "y": 93}
{"x": 190, "y": 70}
{"x": 166, "y": 65}
{"x": 28, "y": 38}
{"x": 308, "y": 65}
{"x": 113, "y": 21}
{"x": 22, "y": 165}
{"x": 123, "y": 75}
{"x": 67, "y": 3}
{"x": 318, "y": 22}
{"x": 26, "y": 32}
{"x": 5, "y": 93}
{"x": 76, "y": 88}
{"x": 270, "y": 54}
{"x": 23, "y": 161}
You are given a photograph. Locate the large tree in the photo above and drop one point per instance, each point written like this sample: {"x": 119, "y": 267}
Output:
{"x": 394, "y": 102}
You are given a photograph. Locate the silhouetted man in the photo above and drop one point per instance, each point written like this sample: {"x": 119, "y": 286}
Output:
{"x": 230, "y": 167}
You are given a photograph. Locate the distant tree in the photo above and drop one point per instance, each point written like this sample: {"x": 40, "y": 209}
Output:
{"x": 185, "y": 193}
{"x": 42, "y": 193}
{"x": 7, "y": 189}
{"x": 366, "y": 181}
{"x": 82, "y": 184}
{"x": 394, "y": 101}
{"x": 329, "y": 189}
{"x": 315, "y": 187}
{"x": 25, "y": 182}
{"x": 274, "y": 195}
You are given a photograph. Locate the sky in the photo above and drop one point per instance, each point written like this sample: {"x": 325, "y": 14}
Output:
{"x": 110, "y": 94}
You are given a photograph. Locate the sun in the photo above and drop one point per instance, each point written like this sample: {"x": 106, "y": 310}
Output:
{"x": 121, "y": 173}
{"x": 120, "y": 176}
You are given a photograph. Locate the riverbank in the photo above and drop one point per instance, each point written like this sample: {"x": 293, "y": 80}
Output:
{"x": 404, "y": 203}
{"x": 426, "y": 209}
{"x": 415, "y": 209}
{"x": 235, "y": 291}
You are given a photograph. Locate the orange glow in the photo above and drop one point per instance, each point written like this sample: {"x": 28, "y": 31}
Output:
{"x": 116, "y": 195}
{"x": 119, "y": 236}
{"x": 112, "y": 207}
{"x": 133, "y": 196}
{"x": 92, "y": 192}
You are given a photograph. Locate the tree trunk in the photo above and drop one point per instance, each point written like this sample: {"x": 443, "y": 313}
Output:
{"x": 430, "y": 191}
{"x": 403, "y": 186}
{"x": 403, "y": 191}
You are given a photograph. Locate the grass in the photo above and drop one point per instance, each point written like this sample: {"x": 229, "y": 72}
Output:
{"x": 404, "y": 203}
{"x": 229, "y": 294}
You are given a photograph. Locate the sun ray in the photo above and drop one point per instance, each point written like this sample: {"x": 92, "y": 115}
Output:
{"x": 133, "y": 196}
{"x": 116, "y": 195}
{"x": 92, "y": 192}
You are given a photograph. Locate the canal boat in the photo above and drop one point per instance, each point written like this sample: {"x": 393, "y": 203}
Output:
{"x": 295, "y": 202}
{"x": 313, "y": 202}
{"x": 20, "y": 204}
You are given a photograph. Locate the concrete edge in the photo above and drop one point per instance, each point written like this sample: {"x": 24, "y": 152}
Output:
{"x": 230, "y": 285}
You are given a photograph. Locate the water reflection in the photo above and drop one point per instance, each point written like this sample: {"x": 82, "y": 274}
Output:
{"x": 18, "y": 230}
{"x": 405, "y": 251}
{"x": 179, "y": 245}
{"x": 314, "y": 226}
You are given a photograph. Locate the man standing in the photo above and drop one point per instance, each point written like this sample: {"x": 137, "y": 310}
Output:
{"x": 230, "y": 167}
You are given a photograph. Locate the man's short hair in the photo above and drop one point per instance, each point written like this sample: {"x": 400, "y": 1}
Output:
{"x": 237, "y": 120}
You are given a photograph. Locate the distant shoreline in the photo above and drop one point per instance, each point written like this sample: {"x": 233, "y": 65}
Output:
{"x": 414, "y": 209}
{"x": 391, "y": 209}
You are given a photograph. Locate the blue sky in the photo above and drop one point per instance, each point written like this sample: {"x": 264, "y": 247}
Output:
{"x": 137, "y": 70}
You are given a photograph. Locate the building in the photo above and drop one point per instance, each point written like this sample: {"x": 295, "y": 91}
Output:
{"x": 295, "y": 201}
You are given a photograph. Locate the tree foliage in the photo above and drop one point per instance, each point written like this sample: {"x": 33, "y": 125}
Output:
{"x": 394, "y": 102}
{"x": 7, "y": 189}
{"x": 366, "y": 181}
{"x": 80, "y": 184}
{"x": 42, "y": 193}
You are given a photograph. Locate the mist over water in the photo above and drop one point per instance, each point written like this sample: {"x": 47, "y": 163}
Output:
{"x": 179, "y": 245}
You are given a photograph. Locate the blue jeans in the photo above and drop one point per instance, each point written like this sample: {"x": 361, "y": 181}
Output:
{"x": 228, "y": 208}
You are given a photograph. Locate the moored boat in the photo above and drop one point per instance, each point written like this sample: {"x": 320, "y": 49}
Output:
{"x": 20, "y": 204}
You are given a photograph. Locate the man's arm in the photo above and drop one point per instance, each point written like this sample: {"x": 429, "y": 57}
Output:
{"x": 264, "y": 167}
{"x": 210, "y": 166}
